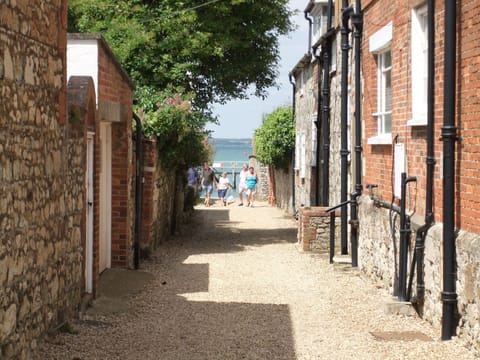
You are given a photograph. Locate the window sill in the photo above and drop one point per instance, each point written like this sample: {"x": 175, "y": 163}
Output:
{"x": 417, "y": 122}
{"x": 384, "y": 139}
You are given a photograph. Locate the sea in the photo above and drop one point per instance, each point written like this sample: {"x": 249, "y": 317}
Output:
{"x": 230, "y": 155}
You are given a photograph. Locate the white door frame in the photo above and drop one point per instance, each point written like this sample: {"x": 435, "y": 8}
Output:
{"x": 89, "y": 186}
{"x": 105, "y": 244}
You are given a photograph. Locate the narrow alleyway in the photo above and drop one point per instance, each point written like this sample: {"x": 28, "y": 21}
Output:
{"x": 233, "y": 285}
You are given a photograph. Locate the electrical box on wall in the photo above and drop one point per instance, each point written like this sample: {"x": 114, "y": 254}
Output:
{"x": 399, "y": 168}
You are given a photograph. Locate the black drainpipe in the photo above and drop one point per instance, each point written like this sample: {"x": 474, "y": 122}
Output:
{"x": 429, "y": 217}
{"x": 327, "y": 55}
{"x": 138, "y": 191}
{"x": 294, "y": 89}
{"x": 405, "y": 232}
{"x": 346, "y": 12}
{"x": 357, "y": 21}
{"x": 318, "y": 128}
{"x": 449, "y": 136}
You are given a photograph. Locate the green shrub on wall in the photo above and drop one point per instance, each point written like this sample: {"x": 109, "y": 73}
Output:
{"x": 275, "y": 139}
{"x": 178, "y": 127}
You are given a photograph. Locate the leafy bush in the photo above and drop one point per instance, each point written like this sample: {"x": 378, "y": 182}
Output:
{"x": 178, "y": 127}
{"x": 275, "y": 139}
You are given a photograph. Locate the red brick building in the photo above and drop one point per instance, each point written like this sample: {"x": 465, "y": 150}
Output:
{"x": 406, "y": 92}
{"x": 417, "y": 86}
{"x": 112, "y": 228}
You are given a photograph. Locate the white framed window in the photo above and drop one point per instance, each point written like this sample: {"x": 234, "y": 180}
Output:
{"x": 379, "y": 45}
{"x": 419, "y": 58}
{"x": 319, "y": 13}
{"x": 384, "y": 99}
{"x": 384, "y": 93}
{"x": 319, "y": 26}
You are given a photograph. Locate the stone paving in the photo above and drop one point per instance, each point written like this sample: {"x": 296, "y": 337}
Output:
{"x": 234, "y": 285}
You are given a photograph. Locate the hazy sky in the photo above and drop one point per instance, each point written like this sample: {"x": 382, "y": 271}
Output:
{"x": 239, "y": 119}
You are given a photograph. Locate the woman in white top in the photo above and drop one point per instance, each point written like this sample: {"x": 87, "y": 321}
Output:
{"x": 242, "y": 186}
{"x": 223, "y": 186}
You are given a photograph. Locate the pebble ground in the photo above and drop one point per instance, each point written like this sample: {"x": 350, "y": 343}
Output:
{"x": 233, "y": 285}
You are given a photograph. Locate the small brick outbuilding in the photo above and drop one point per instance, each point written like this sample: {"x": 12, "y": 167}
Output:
{"x": 112, "y": 227}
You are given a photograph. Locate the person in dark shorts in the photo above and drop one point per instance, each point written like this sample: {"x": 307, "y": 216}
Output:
{"x": 208, "y": 181}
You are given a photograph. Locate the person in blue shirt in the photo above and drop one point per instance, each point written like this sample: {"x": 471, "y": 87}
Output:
{"x": 252, "y": 181}
{"x": 192, "y": 177}
{"x": 191, "y": 191}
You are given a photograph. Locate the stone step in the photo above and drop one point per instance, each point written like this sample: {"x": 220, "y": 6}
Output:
{"x": 397, "y": 307}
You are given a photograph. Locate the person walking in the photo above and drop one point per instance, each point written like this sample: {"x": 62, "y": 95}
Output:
{"x": 242, "y": 186}
{"x": 191, "y": 191}
{"x": 223, "y": 186}
{"x": 192, "y": 175}
{"x": 251, "y": 181}
{"x": 208, "y": 181}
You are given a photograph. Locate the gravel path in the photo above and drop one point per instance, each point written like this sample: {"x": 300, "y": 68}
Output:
{"x": 234, "y": 286}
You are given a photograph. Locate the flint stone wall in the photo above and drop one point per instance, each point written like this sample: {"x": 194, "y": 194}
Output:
{"x": 263, "y": 178}
{"x": 468, "y": 291}
{"x": 41, "y": 178}
{"x": 376, "y": 259}
{"x": 163, "y": 191}
{"x": 314, "y": 229}
{"x": 305, "y": 108}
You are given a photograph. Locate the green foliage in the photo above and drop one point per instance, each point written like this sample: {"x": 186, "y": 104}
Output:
{"x": 275, "y": 139}
{"x": 216, "y": 49}
{"x": 178, "y": 128}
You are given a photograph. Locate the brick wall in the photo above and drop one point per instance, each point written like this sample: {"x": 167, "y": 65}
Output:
{"x": 41, "y": 178}
{"x": 115, "y": 98}
{"x": 380, "y": 157}
{"x": 468, "y": 105}
{"x": 376, "y": 247}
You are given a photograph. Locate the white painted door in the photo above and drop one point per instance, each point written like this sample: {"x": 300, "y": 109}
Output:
{"x": 89, "y": 216}
{"x": 105, "y": 197}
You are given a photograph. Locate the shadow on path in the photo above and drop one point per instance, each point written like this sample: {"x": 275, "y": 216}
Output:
{"x": 163, "y": 324}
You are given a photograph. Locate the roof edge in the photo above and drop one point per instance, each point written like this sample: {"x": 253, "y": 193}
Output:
{"x": 100, "y": 39}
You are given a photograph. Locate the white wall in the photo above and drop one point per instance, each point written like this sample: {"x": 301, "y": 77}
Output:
{"x": 82, "y": 60}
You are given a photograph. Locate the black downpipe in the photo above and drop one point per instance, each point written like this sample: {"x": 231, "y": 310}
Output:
{"x": 138, "y": 191}
{"x": 327, "y": 55}
{"x": 429, "y": 217}
{"x": 405, "y": 232}
{"x": 318, "y": 128}
{"x": 294, "y": 90}
{"x": 357, "y": 21}
{"x": 346, "y": 12}
{"x": 449, "y": 136}
{"x": 332, "y": 236}
{"x": 392, "y": 209}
